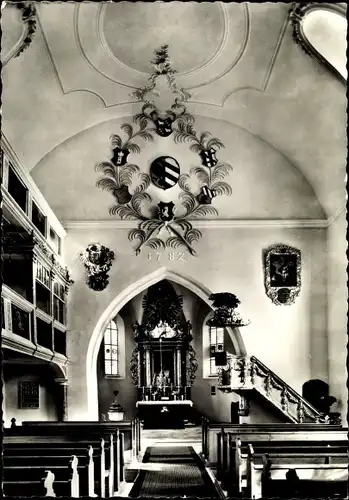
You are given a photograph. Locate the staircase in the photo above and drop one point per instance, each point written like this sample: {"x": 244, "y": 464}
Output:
{"x": 244, "y": 373}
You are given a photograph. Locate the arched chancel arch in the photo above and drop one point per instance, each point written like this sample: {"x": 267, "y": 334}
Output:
{"x": 117, "y": 304}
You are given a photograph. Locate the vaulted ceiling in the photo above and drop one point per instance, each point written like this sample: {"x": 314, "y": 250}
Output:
{"x": 280, "y": 114}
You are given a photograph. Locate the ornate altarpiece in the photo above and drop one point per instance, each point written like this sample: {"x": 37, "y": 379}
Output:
{"x": 163, "y": 364}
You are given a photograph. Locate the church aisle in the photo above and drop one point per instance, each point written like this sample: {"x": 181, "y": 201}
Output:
{"x": 173, "y": 471}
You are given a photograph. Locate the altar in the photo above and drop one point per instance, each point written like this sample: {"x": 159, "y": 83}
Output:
{"x": 163, "y": 363}
{"x": 164, "y": 414}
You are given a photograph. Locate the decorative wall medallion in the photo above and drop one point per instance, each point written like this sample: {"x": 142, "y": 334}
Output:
{"x": 282, "y": 274}
{"x": 164, "y": 172}
{"x": 97, "y": 260}
{"x": 128, "y": 184}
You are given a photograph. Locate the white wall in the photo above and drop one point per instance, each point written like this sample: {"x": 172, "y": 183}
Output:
{"x": 337, "y": 313}
{"x": 291, "y": 340}
{"x": 47, "y": 406}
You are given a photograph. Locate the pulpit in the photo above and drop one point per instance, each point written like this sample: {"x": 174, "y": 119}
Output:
{"x": 163, "y": 363}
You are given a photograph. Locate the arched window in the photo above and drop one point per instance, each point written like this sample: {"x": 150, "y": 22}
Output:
{"x": 111, "y": 350}
{"x": 212, "y": 342}
{"x": 216, "y": 339}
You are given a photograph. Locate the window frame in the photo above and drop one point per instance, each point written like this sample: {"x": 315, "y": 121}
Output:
{"x": 214, "y": 342}
{"x": 112, "y": 327}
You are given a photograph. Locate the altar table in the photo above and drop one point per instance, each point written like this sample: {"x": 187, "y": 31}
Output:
{"x": 164, "y": 414}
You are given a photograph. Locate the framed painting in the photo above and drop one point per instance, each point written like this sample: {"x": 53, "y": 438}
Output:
{"x": 282, "y": 274}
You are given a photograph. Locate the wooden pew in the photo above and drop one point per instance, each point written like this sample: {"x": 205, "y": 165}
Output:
{"x": 288, "y": 452}
{"x": 261, "y": 484}
{"x": 212, "y": 433}
{"x": 130, "y": 429}
{"x": 36, "y": 481}
{"x": 101, "y": 459}
{"x": 96, "y": 463}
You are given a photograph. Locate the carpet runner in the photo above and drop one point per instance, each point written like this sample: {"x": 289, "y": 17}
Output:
{"x": 178, "y": 472}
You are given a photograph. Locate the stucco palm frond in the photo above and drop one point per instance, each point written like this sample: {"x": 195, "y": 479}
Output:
{"x": 201, "y": 174}
{"x": 193, "y": 235}
{"x": 182, "y": 182}
{"x": 203, "y": 138}
{"x": 150, "y": 225}
{"x": 133, "y": 148}
{"x": 138, "y": 199}
{"x": 188, "y": 201}
{"x": 146, "y": 136}
{"x": 128, "y": 129}
{"x": 106, "y": 167}
{"x": 144, "y": 182}
{"x": 155, "y": 244}
{"x": 174, "y": 242}
{"x": 221, "y": 171}
{"x": 116, "y": 141}
{"x": 137, "y": 234}
{"x": 107, "y": 184}
{"x": 195, "y": 148}
{"x": 214, "y": 143}
{"x": 127, "y": 172}
{"x": 203, "y": 210}
{"x": 184, "y": 132}
{"x": 222, "y": 188}
{"x": 123, "y": 211}
{"x": 183, "y": 224}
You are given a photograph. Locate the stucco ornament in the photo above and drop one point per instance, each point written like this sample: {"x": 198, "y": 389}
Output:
{"x": 298, "y": 13}
{"x": 29, "y": 21}
{"x": 282, "y": 274}
{"x": 97, "y": 260}
{"x": 129, "y": 185}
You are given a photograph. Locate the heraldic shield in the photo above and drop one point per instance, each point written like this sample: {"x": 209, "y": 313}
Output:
{"x": 164, "y": 172}
{"x": 163, "y": 126}
{"x": 208, "y": 157}
{"x": 120, "y": 157}
{"x": 166, "y": 211}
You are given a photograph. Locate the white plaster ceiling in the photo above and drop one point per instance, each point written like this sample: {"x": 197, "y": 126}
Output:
{"x": 72, "y": 88}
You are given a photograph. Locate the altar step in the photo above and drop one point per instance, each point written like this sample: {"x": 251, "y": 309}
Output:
{"x": 186, "y": 435}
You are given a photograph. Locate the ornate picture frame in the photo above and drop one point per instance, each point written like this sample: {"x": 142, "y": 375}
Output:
{"x": 282, "y": 273}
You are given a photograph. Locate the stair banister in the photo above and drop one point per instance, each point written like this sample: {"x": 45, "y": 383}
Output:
{"x": 287, "y": 388}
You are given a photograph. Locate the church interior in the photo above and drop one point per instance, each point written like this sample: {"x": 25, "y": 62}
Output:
{"x": 174, "y": 258}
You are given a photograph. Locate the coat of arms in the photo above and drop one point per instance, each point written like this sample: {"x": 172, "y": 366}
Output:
{"x": 163, "y": 125}
{"x": 120, "y": 156}
{"x": 129, "y": 185}
{"x": 208, "y": 157}
{"x": 164, "y": 172}
{"x": 166, "y": 211}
